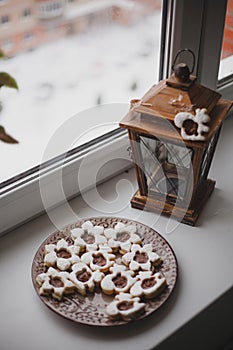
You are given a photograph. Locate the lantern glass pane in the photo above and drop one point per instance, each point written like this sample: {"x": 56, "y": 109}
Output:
{"x": 166, "y": 167}
{"x": 207, "y": 157}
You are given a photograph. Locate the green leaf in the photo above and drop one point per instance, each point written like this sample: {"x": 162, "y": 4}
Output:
{"x": 5, "y": 137}
{"x": 7, "y": 80}
{"x": 2, "y": 54}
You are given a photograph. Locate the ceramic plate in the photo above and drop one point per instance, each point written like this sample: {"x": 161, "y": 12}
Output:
{"x": 90, "y": 309}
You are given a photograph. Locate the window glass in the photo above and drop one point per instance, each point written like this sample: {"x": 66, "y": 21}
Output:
{"x": 71, "y": 56}
{"x": 226, "y": 63}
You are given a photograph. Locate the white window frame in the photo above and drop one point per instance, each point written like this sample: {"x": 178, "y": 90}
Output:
{"x": 187, "y": 24}
{"x": 199, "y": 26}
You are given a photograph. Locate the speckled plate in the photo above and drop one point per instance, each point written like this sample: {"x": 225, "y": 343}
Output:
{"x": 90, "y": 309}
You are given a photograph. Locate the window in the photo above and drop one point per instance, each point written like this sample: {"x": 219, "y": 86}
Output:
{"x": 28, "y": 37}
{"x": 50, "y": 9}
{"x": 4, "y": 20}
{"x": 77, "y": 85}
{"x": 26, "y": 14}
{"x": 7, "y": 44}
{"x": 186, "y": 23}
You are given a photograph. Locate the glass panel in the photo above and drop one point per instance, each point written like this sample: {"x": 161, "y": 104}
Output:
{"x": 226, "y": 63}
{"x": 166, "y": 167}
{"x": 207, "y": 157}
{"x": 68, "y": 56}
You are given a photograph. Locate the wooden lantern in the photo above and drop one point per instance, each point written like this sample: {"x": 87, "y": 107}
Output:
{"x": 173, "y": 132}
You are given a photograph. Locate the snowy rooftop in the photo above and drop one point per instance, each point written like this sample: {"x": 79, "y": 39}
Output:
{"x": 95, "y": 6}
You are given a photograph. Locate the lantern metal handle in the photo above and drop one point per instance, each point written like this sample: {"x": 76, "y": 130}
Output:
{"x": 178, "y": 54}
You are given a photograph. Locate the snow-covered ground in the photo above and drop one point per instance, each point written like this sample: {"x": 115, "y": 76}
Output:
{"x": 56, "y": 81}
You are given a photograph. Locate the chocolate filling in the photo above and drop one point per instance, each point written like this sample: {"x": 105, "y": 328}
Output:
{"x": 63, "y": 253}
{"x": 56, "y": 282}
{"x": 190, "y": 127}
{"x": 122, "y": 236}
{"x": 99, "y": 260}
{"x": 125, "y": 305}
{"x": 88, "y": 238}
{"x": 83, "y": 276}
{"x": 141, "y": 258}
{"x": 148, "y": 283}
{"x": 120, "y": 281}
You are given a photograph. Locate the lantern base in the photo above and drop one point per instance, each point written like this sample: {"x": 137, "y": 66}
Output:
{"x": 188, "y": 216}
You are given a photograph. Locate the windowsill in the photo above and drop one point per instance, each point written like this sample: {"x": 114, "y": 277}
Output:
{"x": 204, "y": 255}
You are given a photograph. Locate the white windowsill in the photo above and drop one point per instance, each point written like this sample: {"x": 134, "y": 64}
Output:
{"x": 204, "y": 255}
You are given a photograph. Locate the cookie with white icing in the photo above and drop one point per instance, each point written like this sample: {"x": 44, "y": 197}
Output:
{"x": 141, "y": 258}
{"x": 88, "y": 237}
{"x": 125, "y": 306}
{"x": 121, "y": 237}
{"x": 148, "y": 285}
{"x": 84, "y": 279}
{"x": 101, "y": 259}
{"x": 61, "y": 255}
{"x": 54, "y": 282}
{"x": 119, "y": 280}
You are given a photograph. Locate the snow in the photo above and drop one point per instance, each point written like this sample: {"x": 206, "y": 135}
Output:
{"x": 57, "y": 81}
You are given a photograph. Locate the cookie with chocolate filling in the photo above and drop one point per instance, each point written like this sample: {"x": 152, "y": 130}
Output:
{"x": 54, "y": 282}
{"x": 84, "y": 279}
{"x": 141, "y": 258}
{"x": 61, "y": 255}
{"x": 125, "y": 306}
{"x": 101, "y": 259}
{"x": 119, "y": 280}
{"x": 88, "y": 237}
{"x": 148, "y": 285}
{"x": 121, "y": 237}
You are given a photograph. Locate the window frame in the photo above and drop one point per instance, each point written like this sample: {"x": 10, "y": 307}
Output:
{"x": 185, "y": 24}
{"x": 191, "y": 26}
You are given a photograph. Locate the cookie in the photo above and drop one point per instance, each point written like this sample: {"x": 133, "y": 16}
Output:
{"x": 101, "y": 259}
{"x": 54, "y": 282}
{"x": 125, "y": 306}
{"x": 141, "y": 258}
{"x": 121, "y": 237}
{"x": 119, "y": 280}
{"x": 84, "y": 278}
{"x": 88, "y": 237}
{"x": 61, "y": 255}
{"x": 148, "y": 285}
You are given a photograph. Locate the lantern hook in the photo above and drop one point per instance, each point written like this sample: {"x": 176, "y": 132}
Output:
{"x": 181, "y": 70}
{"x": 178, "y": 54}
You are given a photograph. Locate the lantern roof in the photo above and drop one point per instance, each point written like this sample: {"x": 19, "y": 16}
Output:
{"x": 173, "y": 100}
